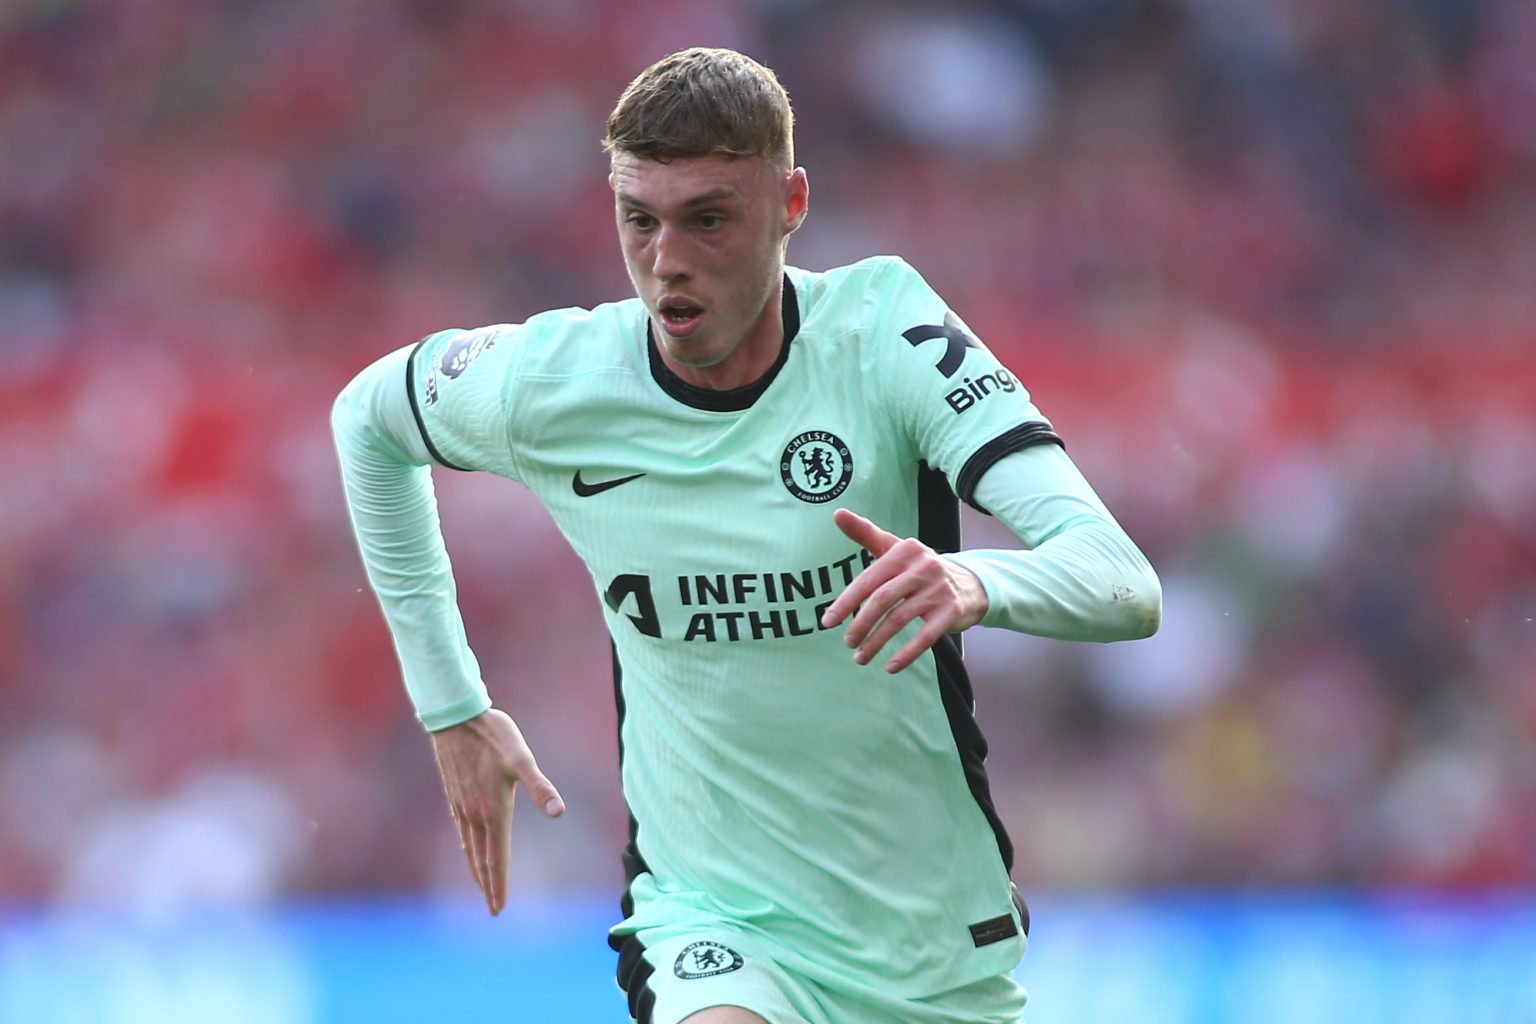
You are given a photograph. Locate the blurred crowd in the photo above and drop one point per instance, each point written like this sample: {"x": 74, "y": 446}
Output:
{"x": 1269, "y": 266}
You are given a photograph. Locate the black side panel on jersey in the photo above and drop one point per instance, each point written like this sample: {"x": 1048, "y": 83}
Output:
{"x": 421, "y": 424}
{"x": 634, "y": 970}
{"x": 634, "y": 864}
{"x": 938, "y": 526}
{"x": 1023, "y": 436}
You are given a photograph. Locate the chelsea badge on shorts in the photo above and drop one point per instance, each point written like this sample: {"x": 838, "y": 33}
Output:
{"x": 705, "y": 960}
{"x": 816, "y": 466}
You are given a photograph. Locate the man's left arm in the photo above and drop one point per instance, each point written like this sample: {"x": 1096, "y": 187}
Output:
{"x": 1079, "y": 577}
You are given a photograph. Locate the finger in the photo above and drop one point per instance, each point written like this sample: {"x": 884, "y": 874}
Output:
{"x": 857, "y": 593}
{"x": 863, "y": 532}
{"x": 467, "y": 844}
{"x": 874, "y": 608}
{"x": 894, "y": 622}
{"x": 522, "y": 769}
{"x": 480, "y": 839}
{"x": 499, "y": 856}
{"x": 914, "y": 648}
{"x": 541, "y": 790}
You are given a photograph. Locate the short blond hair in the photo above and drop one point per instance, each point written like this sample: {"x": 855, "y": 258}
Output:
{"x": 704, "y": 101}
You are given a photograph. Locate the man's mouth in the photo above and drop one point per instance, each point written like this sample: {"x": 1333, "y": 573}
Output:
{"x": 680, "y": 313}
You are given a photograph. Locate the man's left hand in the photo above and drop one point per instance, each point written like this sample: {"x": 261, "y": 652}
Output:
{"x": 907, "y": 580}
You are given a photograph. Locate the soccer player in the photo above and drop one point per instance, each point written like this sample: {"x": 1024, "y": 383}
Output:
{"x": 760, "y": 467}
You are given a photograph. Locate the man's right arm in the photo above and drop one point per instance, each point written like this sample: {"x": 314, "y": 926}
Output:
{"x": 385, "y": 470}
{"x": 481, "y": 754}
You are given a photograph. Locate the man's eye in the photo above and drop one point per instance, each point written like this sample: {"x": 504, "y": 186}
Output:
{"x": 641, "y": 221}
{"x": 710, "y": 221}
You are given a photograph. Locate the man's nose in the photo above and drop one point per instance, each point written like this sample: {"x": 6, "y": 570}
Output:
{"x": 669, "y": 254}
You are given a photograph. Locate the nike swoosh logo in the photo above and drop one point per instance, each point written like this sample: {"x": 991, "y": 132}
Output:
{"x": 586, "y": 490}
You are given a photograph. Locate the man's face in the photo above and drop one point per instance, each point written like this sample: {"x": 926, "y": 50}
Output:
{"x": 703, "y": 238}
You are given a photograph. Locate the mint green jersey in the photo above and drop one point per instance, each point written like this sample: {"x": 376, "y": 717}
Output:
{"x": 840, "y": 809}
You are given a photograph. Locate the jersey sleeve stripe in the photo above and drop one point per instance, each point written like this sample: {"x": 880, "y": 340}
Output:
{"x": 421, "y": 424}
{"x": 1025, "y": 435}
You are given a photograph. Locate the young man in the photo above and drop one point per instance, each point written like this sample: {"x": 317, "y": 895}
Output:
{"x": 759, "y": 465}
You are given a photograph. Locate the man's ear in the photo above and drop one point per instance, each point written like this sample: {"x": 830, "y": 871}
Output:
{"x": 797, "y": 199}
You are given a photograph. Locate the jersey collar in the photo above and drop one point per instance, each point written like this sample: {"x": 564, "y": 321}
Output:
{"x": 736, "y": 399}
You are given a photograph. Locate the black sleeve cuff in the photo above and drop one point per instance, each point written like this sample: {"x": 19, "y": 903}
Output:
{"x": 1025, "y": 435}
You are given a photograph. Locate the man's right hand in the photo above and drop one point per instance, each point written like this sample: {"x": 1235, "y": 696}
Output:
{"x": 482, "y": 761}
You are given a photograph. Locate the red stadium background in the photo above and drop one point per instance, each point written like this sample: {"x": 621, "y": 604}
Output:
{"x": 1270, "y": 268}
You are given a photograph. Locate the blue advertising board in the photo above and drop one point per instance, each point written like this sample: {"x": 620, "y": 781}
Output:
{"x": 1203, "y": 958}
